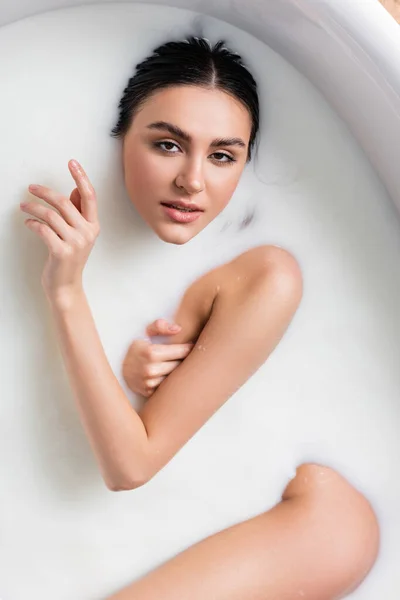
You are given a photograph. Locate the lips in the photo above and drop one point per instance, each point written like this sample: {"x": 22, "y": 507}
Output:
{"x": 181, "y": 216}
{"x": 181, "y": 204}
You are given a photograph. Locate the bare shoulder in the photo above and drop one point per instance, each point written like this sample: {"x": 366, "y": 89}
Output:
{"x": 264, "y": 258}
{"x": 266, "y": 267}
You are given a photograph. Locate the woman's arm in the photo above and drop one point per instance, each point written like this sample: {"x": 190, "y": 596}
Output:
{"x": 258, "y": 294}
{"x": 251, "y": 308}
{"x": 116, "y": 433}
{"x": 256, "y": 300}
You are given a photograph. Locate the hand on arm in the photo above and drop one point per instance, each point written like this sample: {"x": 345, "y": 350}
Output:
{"x": 147, "y": 364}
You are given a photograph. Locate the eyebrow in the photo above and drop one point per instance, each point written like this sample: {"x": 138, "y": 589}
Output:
{"x": 178, "y": 132}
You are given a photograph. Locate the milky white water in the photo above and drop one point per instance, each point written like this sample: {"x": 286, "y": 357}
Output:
{"x": 328, "y": 394}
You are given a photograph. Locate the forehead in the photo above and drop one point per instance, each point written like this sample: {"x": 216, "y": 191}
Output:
{"x": 200, "y": 111}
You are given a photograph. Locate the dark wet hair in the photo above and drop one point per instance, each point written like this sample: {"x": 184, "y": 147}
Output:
{"x": 192, "y": 61}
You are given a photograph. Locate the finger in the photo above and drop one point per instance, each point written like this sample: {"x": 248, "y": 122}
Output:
{"x": 86, "y": 190}
{"x": 68, "y": 211}
{"x": 76, "y": 199}
{"x": 155, "y": 382}
{"x": 50, "y": 217}
{"x": 165, "y": 352}
{"x": 162, "y": 327}
{"x": 159, "y": 369}
{"x": 165, "y": 368}
{"x": 51, "y": 239}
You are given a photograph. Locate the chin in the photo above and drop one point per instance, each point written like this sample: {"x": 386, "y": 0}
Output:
{"x": 175, "y": 235}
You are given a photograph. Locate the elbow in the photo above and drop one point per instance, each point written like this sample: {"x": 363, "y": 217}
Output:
{"x": 126, "y": 484}
{"x": 132, "y": 474}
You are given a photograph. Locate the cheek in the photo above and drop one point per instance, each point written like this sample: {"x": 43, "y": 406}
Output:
{"x": 144, "y": 171}
{"x": 137, "y": 172}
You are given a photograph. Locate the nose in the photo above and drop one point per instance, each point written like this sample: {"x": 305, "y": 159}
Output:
{"x": 191, "y": 179}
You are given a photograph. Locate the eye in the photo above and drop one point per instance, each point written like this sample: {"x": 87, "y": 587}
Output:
{"x": 165, "y": 143}
{"x": 229, "y": 159}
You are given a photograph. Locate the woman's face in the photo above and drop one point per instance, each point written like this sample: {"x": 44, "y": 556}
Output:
{"x": 186, "y": 144}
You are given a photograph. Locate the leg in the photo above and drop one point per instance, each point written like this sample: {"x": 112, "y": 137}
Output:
{"x": 318, "y": 543}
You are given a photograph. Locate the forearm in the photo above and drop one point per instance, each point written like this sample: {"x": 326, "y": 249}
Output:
{"x": 115, "y": 431}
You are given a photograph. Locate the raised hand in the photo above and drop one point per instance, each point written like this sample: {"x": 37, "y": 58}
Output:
{"x": 69, "y": 231}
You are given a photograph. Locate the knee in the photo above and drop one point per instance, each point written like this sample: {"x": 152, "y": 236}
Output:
{"x": 340, "y": 520}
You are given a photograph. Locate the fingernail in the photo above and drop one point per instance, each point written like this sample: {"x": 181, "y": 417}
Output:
{"x": 74, "y": 164}
{"x": 174, "y": 328}
{"x": 33, "y": 187}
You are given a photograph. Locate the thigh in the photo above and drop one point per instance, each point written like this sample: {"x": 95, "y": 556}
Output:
{"x": 319, "y": 543}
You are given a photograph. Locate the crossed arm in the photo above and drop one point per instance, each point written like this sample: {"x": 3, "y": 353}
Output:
{"x": 255, "y": 299}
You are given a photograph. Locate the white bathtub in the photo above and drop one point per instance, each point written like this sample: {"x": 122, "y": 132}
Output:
{"x": 350, "y": 51}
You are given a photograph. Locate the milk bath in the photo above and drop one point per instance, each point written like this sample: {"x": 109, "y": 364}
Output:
{"x": 329, "y": 392}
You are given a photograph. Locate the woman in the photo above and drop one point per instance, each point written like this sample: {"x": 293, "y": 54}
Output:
{"x": 189, "y": 119}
